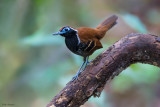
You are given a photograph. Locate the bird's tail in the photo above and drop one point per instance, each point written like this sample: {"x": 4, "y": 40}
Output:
{"x": 107, "y": 24}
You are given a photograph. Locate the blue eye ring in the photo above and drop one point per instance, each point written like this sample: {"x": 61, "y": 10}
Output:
{"x": 66, "y": 29}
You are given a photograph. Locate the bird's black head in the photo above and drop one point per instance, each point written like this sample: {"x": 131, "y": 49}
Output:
{"x": 66, "y": 31}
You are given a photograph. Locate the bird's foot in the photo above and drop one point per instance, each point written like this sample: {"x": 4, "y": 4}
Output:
{"x": 76, "y": 76}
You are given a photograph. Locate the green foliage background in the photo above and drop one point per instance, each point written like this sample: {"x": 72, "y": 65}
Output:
{"x": 35, "y": 66}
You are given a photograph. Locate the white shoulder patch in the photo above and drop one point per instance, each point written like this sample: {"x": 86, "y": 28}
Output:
{"x": 78, "y": 39}
{"x": 77, "y": 35}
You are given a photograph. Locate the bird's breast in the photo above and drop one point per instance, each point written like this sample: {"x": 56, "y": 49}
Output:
{"x": 72, "y": 44}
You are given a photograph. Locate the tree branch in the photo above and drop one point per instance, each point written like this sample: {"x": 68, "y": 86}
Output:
{"x": 133, "y": 48}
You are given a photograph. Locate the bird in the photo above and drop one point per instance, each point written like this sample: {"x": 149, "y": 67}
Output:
{"x": 84, "y": 41}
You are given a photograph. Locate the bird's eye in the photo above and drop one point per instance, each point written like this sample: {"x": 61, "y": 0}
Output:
{"x": 66, "y": 29}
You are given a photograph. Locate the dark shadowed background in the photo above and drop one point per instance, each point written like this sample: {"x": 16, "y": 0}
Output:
{"x": 35, "y": 66}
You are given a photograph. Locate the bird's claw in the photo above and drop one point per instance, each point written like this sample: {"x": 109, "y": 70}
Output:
{"x": 76, "y": 76}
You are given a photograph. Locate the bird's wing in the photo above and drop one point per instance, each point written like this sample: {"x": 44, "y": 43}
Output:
{"x": 88, "y": 38}
{"x": 90, "y": 45}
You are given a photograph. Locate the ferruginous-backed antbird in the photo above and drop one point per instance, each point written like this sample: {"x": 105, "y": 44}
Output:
{"x": 84, "y": 41}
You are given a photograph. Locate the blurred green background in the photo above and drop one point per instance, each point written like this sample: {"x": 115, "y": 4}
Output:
{"x": 35, "y": 66}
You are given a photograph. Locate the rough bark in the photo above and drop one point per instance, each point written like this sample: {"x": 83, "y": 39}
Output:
{"x": 133, "y": 48}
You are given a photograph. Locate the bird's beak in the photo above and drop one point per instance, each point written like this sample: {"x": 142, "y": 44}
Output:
{"x": 58, "y": 33}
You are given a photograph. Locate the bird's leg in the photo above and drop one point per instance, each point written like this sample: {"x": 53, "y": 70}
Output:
{"x": 87, "y": 62}
{"x": 79, "y": 71}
